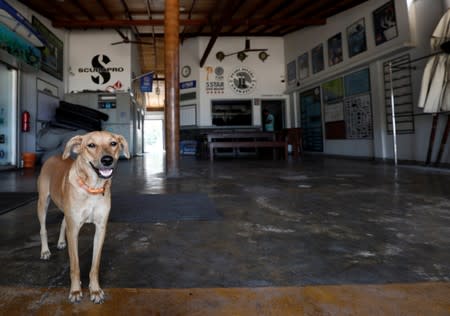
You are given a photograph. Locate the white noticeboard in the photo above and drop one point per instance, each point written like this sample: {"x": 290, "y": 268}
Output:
{"x": 334, "y": 112}
{"x": 188, "y": 115}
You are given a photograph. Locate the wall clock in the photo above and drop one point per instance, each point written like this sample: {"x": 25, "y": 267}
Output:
{"x": 186, "y": 71}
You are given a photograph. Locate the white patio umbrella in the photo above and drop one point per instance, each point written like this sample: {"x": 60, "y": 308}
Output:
{"x": 435, "y": 89}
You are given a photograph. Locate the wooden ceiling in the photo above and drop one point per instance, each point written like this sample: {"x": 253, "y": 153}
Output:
{"x": 212, "y": 18}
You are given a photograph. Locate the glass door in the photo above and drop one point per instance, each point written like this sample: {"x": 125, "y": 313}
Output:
{"x": 311, "y": 119}
{"x": 8, "y": 116}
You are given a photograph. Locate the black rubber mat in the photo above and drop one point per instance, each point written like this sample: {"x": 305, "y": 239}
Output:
{"x": 12, "y": 200}
{"x": 143, "y": 208}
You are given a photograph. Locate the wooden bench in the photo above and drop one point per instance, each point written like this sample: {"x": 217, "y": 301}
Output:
{"x": 245, "y": 140}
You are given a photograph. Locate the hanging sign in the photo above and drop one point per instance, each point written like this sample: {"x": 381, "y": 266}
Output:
{"x": 147, "y": 83}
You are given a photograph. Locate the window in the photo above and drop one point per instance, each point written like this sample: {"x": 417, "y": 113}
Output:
{"x": 231, "y": 113}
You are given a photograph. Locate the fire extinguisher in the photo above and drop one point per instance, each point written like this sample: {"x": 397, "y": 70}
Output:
{"x": 25, "y": 121}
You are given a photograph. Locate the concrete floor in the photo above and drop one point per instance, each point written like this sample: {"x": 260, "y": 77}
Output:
{"x": 320, "y": 236}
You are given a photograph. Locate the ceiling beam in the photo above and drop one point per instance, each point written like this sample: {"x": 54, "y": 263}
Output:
{"x": 84, "y": 24}
{"x": 37, "y": 8}
{"x": 83, "y": 9}
{"x": 281, "y": 6}
{"x": 260, "y": 5}
{"x": 104, "y": 8}
{"x": 228, "y": 10}
{"x": 189, "y": 17}
{"x": 292, "y": 12}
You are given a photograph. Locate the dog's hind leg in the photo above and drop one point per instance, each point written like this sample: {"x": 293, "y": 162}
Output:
{"x": 62, "y": 235}
{"x": 43, "y": 202}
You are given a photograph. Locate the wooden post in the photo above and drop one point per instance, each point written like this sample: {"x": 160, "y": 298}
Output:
{"x": 172, "y": 108}
{"x": 432, "y": 136}
{"x": 443, "y": 141}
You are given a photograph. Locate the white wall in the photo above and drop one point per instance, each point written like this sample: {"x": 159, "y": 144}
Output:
{"x": 268, "y": 74}
{"x": 415, "y": 21}
{"x": 84, "y": 46}
{"x": 189, "y": 52}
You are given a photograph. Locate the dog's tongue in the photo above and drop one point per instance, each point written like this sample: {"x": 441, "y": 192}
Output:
{"x": 105, "y": 172}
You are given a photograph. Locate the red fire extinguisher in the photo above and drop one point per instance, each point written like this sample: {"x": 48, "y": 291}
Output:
{"x": 25, "y": 121}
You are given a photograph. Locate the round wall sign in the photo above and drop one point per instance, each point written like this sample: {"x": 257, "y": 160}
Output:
{"x": 242, "y": 80}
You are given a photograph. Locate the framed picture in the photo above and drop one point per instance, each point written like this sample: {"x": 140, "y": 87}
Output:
{"x": 333, "y": 90}
{"x": 335, "y": 49}
{"x": 317, "y": 58}
{"x": 291, "y": 71}
{"x": 385, "y": 23}
{"x": 52, "y": 55}
{"x": 303, "y": 66}
{"x": 356, "y": 38}
{"x": 357, "y": 82}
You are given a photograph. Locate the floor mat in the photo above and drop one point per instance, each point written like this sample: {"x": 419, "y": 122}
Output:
{"x": 12, "y": 200}
{"x": 143, "y": 208}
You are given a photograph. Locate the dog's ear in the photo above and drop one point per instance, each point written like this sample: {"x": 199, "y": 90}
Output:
{"x": 124, "y": 146}
{"x": 74, "y": 144}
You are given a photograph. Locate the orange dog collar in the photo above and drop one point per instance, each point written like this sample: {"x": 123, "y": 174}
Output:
{"x": 90, "y": 190}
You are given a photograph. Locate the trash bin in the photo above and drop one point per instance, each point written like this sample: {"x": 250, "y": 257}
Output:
{"x": 29, "y": 160}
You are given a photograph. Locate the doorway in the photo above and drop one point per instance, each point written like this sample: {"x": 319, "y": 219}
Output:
{"x": 276, "y": 108}
{"x": 154, "y": 133}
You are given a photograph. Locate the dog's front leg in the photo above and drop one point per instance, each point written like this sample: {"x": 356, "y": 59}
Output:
{"x": 97, "y": 294}
{"x": 72, "y": 231}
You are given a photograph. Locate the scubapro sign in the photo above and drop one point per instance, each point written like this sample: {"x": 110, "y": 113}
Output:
{"x": 100, "y": 65}
{"x": 242, "y": 80}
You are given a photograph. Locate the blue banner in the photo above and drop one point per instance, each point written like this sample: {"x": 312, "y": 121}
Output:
{"x": 147, "y": 83}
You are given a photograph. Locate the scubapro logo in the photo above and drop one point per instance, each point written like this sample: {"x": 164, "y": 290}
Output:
{"x": 242, "y": 80}
{"x": 99, "y": 65}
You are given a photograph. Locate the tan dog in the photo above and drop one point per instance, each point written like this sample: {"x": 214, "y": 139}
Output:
{"x": 81, "y": 189}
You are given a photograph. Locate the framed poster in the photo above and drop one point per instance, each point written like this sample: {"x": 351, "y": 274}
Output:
{"x": 357, "y": 82}
{"x": 52, "y": 54}
{"x": 303, "y": 66}
{"x": 291, "y": 71}
{"x": 385, "y": 23}
{"x": 335, "y": 49}
{"x": 356, "y": 38}
{"x": 334, "y": 112}
{"x": 333, "y": 90}
{"x": 317, "y": 58}
{"x": 358, "y": 117}
{"x": 333, "y": 94}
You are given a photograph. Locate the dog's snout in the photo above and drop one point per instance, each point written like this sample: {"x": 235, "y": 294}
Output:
{"x": 107, "y": 160}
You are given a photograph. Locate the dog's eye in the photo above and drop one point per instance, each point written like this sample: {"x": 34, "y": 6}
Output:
{"x": 91, "y": 145}
{"x": 113, "y": 144}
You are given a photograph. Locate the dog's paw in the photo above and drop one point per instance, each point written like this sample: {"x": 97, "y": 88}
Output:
{"x": 75, "y": 296}
{"x": 61, "y": 245}
{"x": 98, "y": 297}
{"x": 45, "y": 255}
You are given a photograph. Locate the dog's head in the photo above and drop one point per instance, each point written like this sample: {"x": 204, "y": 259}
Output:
{"x": 100, "y": 150}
